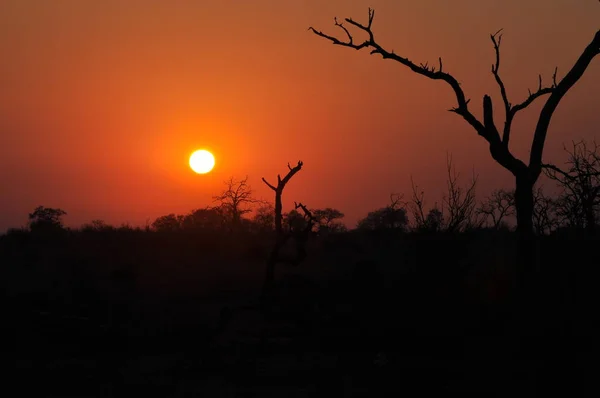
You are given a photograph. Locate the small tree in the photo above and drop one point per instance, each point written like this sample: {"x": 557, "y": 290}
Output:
{"x": 328, "y": 219}
{"x": 168, "y": 223}
{"x": 208, "y": 219}
{"x": 236, "y": 200}
{"x": 499, "y": 205}
{"x": 390, "y": 217}
{"x": 458, "y": 210}
{"x": 96, "y": 226}
{"x": 545, "y": 217}
{"x": 435, "y": 221}
{"x": 293, "y": 221}
{"x": 417, "y": 206}
{"x": 579, "y": 203}
{"x": 460, "y": 203}
{"x": 264, "y": 217}
{"x": 46, "y": 219}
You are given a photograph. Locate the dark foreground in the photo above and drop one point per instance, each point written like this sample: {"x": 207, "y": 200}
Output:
{"x": 366, "y": 333}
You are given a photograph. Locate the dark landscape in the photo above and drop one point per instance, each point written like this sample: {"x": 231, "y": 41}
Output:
{"x": 272, "y": 273}
{"x": 179, "y": 309}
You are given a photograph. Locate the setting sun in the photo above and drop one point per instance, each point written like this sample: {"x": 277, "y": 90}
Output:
{"x": 202, "y": 161}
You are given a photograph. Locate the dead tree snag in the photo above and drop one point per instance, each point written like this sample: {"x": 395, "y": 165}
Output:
{"x": 525, "y": 174}
{"x": 280, "y": 237}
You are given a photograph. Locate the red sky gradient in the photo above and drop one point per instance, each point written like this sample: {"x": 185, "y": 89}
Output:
{"x": 101, "y": 102}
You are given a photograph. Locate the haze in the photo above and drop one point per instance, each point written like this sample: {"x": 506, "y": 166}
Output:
{"x": 101, "y": 102}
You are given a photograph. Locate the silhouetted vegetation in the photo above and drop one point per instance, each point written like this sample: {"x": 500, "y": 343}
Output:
{"x": 245, "y": 297}
{"x": 530, "y": 206}
{"x": 95, "y": 308}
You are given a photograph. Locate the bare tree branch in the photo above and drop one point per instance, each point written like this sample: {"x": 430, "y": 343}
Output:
{"x": 497, "y": 206}
{"x": 509, "y": 110}
{"x": 579, "y": 202}
{"x": 496, "y": 40}
{"x": 526, "y": 175}
{"x": 236, "y": 199}
{"x": 417, "y": 205}
{"x": 269, "y": 185}
{"x": 559, "y": 91}
{"x": 460, "y": 203}
{"x": 279, "y": 191}
{"x": 422, "y": 69}
{"x": 487, "y": 129}
{"x": 556, "y": 169}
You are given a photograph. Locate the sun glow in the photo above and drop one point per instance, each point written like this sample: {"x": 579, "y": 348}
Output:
{"x": 202, "y": 161}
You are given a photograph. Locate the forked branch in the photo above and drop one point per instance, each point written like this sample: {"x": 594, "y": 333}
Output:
{"x": 559, "y": 91}
{"x": 422, "y": 69}
{"x": 279, "y": 191}
{"x": 509, "y": 110}
{"x": 280, "y": 237}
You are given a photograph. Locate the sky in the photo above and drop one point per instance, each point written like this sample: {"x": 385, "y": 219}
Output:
{"x": 102, "y": 102}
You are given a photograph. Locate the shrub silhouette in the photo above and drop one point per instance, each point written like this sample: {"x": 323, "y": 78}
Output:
{"x": 46, "y": 219}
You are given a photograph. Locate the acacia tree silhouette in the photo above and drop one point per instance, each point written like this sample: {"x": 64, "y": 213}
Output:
{"x": 525, "y": 174}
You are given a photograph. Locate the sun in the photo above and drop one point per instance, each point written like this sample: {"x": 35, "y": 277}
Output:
{"x": 202, "y": 161}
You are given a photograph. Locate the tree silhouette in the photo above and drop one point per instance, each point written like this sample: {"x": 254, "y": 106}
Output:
{"x": 96, "y": 226}
{"x": 210, "y": 219}
{"x": 499, "y": 205}
{"x": 293, "y": 221}
{"x": 525, "y": 174}
{"x": 435, "y": 221}
{"x": 579, "y": 203}
{"x": 460, "y": 203}
{"x": 46, "y": 219}
{"x": 545, "y": 217}
{"x": 236, "y": 199}
{"x": 459, "y": 206}
{"x": 264, "y": 217}
{"x": 391, "y": 217}
{"x": 280, "y": 236}
{"x": 328, "y": 219}
{"x": 168, "y": 223}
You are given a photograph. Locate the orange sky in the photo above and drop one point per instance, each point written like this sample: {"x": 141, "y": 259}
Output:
{"x": 101, "y": 102}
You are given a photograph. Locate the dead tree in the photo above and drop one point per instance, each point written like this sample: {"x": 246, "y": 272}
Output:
{"x": 525, "y": 174}
{"x": 236, "y": 199}
{"x": 417, "y": 206}
{"x": 280, "y": 237}
{"x": 460, "y": 203}
{"x": 499, "y": 205}
{"x": 545, "y": 220}
{"x": 459, "y": 207}
{"x": 579, "y": 203}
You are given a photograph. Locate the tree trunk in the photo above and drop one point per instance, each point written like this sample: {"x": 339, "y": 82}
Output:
{"x": 526, "y": 256}
{"x": 269, "y": 281}
{"x": 526, "y": 252}
{"x": 524, "y": 206}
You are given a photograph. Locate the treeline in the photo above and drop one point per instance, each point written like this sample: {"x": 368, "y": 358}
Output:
{"x": 575, "y": 207}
